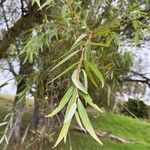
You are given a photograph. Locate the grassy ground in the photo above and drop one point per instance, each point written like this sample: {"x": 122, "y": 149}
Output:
{"x": 125, "y": 127}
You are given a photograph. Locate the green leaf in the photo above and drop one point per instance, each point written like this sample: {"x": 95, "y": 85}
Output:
{"x": 86, "y": 121}
{"x": 79, "y": 39}
{"x": 85, "y": 80}
{"x": 71, "y": 112}
{"x": 66, "y": 53}
{"x": 79, "y": 121}
{"x": 3, "y": 123}
{"x": 64, "y": 72}
{"x": 72, "y": 100}
{"x": 2, "y": 139}
{"x": 63, "y": 101}
{"x": 89, "y": 74}
{"x": 93, "y": 68}
{"x": 65, "y": 59}
{"x": 64, "y": 130}
{"x": 63, "y": 133}
{"x": 76, "y": 44}
{"x": 77, "y": 83}
{"x": 89, "y": 100}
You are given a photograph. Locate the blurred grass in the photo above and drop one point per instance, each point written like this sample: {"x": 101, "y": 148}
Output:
{"x": 6, "y": 101}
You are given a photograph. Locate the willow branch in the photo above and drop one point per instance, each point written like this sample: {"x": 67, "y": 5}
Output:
{"x": 82, "y": 55}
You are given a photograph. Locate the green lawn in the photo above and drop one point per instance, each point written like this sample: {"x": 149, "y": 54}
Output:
{"x": 125, "y": 127}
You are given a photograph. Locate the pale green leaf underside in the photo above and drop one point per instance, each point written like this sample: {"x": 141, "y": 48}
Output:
{"x": 3, "y": 123}
{"x": 71, "y": 112}
{"x": 85, "y": 80}
{"x": 64, "y": 130}
{"x": 78, "y": 83}
{"x": 79, "y": 121}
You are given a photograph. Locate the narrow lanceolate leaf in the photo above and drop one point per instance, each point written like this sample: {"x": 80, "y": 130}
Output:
{"x": 67, "y": 53}
{"x": 86, "y": 121}
{"x": 71, "y": 112}
{"x": 89, "y": 100}
{"x": 64, "y": 130}
{"x": 64, "y": 72}
{"x": 79, "y": 39}
{"x": 63, "y": 133}
{"x": 65, "y": 59}
{"x": 2, "y": 139}
{"x": 75, "y": 45}
{"x": 89, "y": 74}
{"x": 77, "y": 83}
{"x": 79, "y": 121}
{"x": 95, "y": 70}
{"x": 85, "y": 80}
{"x": 63, "y": 102}
{"x": 3, "y": 123}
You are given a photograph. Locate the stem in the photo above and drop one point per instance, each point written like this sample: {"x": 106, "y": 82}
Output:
{"x": 82, "y": 55}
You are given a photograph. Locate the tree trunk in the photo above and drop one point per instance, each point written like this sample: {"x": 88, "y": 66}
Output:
{"x": 13, "y": 130}
{"x": 35, "y": 117}
{"x": 17, "y": 122}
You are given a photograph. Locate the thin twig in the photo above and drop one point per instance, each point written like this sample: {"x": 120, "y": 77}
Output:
{"x": 4, "y": 15}
{"x": 82, "y": 55}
